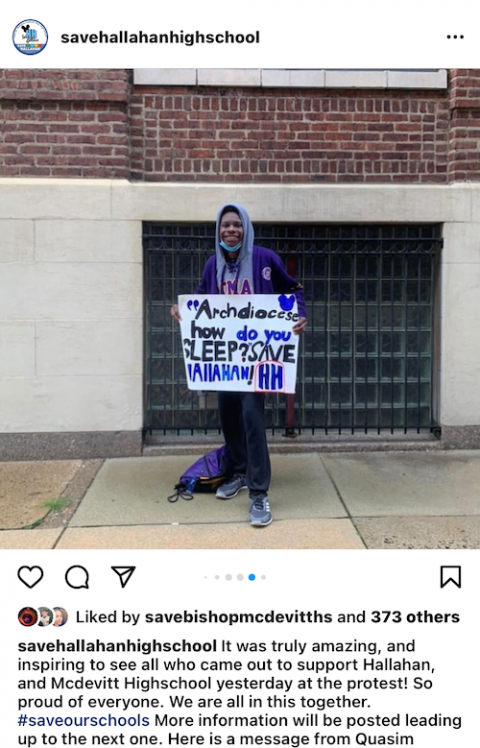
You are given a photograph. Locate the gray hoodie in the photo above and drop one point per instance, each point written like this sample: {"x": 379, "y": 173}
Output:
{"x": 242, "y": 269}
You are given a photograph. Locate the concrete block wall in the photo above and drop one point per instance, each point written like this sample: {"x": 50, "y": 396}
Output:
{"x": 460, "y": 326}
{"x": 71, "y": 314}
{"x": 71, "y": 306}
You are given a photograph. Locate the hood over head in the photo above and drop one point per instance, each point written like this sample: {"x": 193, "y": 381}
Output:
{"x": 244, "y": 259}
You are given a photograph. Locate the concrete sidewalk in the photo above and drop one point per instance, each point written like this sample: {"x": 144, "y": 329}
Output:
{"x": 347, "y": 500}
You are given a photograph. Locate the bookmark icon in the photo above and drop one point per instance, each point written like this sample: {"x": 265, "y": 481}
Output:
{"x": 450, "y": 575}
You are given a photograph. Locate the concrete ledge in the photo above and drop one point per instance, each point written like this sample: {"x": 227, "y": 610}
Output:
{"x": 461, "y": 437}
{"x": 453, "y": 437}
{"x": 228, "y": 77}
{"x": 417, "y": 79}
{"x": 120, "y": 200}
{"x": 289, "y": 78}
{"x": 165, "y": 77}
{"x": 294, "y": 203}
{"x": 290, "y": 449}
{"x": 55, "y": 198}
{"x": 70, "y": 445}
{"x": 293, "y": 78}
{"x": 355, "y": 79}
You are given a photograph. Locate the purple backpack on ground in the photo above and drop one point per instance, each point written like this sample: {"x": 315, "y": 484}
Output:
{"x": 206, "y": 474}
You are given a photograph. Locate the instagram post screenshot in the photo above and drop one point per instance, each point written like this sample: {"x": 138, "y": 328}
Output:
{"x": 239, "y": 375}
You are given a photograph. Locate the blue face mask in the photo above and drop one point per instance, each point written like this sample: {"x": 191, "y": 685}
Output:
{"x": 231, "y": 249}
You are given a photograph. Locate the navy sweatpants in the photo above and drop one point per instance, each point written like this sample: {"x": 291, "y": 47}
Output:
{"x": 243, "y": 423}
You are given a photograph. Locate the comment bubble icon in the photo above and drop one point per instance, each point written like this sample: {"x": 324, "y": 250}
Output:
{"x": 77, "y": 577}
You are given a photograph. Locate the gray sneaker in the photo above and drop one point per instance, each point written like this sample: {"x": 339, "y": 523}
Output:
{"x": 231, "y": 487}
{"x": 260, "y": 515}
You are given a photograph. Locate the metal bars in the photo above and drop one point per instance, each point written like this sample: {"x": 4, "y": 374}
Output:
{"x": 366, "y": 363}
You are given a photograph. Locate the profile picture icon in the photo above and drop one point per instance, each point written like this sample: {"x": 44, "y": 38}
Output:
{"x": 45, "y": 616}
{"x": 30, "y": 37}
{"x": 61, "y": 617}
{"x": 28, "y": 616}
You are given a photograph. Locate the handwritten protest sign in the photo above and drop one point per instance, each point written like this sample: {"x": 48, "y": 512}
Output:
{"x": 240, "y": 343}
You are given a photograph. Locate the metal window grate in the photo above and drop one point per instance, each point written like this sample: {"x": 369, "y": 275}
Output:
{"x": 366, "y": 361}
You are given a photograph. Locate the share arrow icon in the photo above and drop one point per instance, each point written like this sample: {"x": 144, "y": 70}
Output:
{"x": 124, "y": 573}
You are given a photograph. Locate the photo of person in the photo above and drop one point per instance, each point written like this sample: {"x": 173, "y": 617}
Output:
{"x": 46, "y": 617}
{"x": 353, "y": 190}
{"x": 240, "y": 267}
{"x": 61, "y": 617}
{"x": 239, "y": 364}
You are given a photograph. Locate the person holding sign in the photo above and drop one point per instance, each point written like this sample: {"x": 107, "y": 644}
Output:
{"x": 240, "y": 267}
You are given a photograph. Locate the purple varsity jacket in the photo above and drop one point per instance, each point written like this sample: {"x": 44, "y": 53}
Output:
{"x": 269, "y": 276}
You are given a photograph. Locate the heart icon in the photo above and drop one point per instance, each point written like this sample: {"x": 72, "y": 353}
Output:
{"x": 30, "y": 575}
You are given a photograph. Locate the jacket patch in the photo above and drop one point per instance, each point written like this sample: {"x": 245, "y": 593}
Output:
{"x": 267, "y": 273}
{"x": 230, "y": 288}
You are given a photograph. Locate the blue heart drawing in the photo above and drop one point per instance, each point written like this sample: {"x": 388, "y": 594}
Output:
{"x": 195, "y": 304}
{"x": 286, "y": 302}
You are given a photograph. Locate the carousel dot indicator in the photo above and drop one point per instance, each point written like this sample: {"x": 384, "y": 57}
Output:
{"x": 228, "y": 577}
{"x": 251, "y": 577}
{"x": 216, "y": 576}
{"x": 240, "y": 577}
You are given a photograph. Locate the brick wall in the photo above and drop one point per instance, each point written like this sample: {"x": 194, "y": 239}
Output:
{"x": 94, "y": 123}
{"x": 464, "y": 155}
{"x": 64, "y": 123}
{"x": 253, "y": 135}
